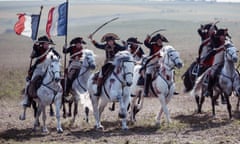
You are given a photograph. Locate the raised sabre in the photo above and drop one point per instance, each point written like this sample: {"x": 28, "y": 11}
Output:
{"x": 213, "y": 24}
{"x": 104, "y": 25}
{"x": 157, "y": 31}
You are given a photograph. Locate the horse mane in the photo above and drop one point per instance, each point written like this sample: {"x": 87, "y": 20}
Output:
{"x": 122, "y": 56}
{"x": 167, "y": 48}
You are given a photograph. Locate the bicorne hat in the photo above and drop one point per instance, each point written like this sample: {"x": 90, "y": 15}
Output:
{"x": 133, "y": 40}
{"x": 109, "y": 36}
{"x": 45, "y": 39}
{"x": 157, "y": 37}
{"x": 76, "y": 40}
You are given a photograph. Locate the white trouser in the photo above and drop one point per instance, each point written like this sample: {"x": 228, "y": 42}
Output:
{"x": 38, "y": 71}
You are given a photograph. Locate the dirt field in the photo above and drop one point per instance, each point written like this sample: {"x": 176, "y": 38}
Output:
{"x": 136, "y": 19}
{"x": 187, "y": 126}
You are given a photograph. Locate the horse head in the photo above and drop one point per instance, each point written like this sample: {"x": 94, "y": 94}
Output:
{"x": 203, "y": 31}
{"x": 89, "y": 59}
{"x": 124, "y": 65}
{"x": 171, "y": 57}
{"x": 231, "y": 52}
{"x": 54, "y": 68}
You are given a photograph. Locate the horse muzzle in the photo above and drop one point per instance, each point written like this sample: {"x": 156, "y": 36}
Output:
{"x": 235, "y": 59}
{"x": 92, "y": 67}
{"x": 129, "y": 84}
{"x": 57, "y": 80}
{"x": 179, "y": 65}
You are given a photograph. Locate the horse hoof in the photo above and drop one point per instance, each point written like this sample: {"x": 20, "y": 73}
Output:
{"x": 120, "y": 115}
{"x": 59, "y": 130}
{"x": 125, "y": 128}
{"x": 101, "y": 128}
{"x": 45, "y": 130}
{"x": 157, "y": 124}
{"x": 22, "y": 117}
{"x": 51, "y": 114}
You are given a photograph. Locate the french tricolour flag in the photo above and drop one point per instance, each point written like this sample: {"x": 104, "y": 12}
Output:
{"x": 27, "y": 25}
{"x": 57, "y": 21}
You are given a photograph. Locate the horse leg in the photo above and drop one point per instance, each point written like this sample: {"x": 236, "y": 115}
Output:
{"x": 100, "y": 110}
{"x": 44, "y": 117}
{"x": 213, "y": 101}
{"x": 23, "y": 115}
{"x": 70, "y": 108}
{"x": 86, "y": 114}
{"x": 113, "y": 107}
{"x": 132, "y": 106}
{"x": 64, "y": 109}
{"x": 229, "y": 107}
{"x": 139, "y": 105}
{"x": 51, "y": 113}
{"x": 197, "y": 98}
{"x": 165, "y": 109}
{"x": 124, "y": 102}
{"x": 58, "y": 116}
{"x": 37, "y": 123}
{"x": 95, "y": 101}
{"x": 237, "y": 106}
{"x": 34, "y": 105}
{"x": 202, "y": 99}
{"x": 75, "y": 111}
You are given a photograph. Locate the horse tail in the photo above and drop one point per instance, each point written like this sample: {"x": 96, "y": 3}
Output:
{"x": 198, "y": 84}
{"x": 188, "y": 78}
{"x": 86, "y": 101}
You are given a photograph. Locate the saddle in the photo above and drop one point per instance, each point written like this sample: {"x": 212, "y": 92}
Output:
{"x": 33, "y": 86}
{"x": 107, "y": 70}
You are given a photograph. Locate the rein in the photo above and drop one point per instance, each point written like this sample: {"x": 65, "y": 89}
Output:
{"x": 51, "y": 81}
{"x": 79, "y": 83}
{"x": 122, "y": 82}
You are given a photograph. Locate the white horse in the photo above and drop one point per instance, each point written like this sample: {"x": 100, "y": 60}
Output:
{"x": 227, "y": 80}
{"x": 79, "y": 86}
{"x": 137, "y": 94}
{"x": 49, "y": 92}
{"x": 163, "y": 84}
{"x": 116, "y": 88}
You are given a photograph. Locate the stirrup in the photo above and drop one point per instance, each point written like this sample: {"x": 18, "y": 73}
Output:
{"x": 195, "y": 70}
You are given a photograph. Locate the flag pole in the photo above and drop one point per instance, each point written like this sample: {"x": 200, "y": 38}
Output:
{"x": 65, "y": 55}
{"x": 39, "y": 20}
{"x": 40, "y": 13}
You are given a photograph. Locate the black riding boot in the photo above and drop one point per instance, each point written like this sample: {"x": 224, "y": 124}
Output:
{"x": 147, "y": 84}
{"x": 99, "y": 87}
{"x": 68, "y": 86}
{"x": 209, "y": 82}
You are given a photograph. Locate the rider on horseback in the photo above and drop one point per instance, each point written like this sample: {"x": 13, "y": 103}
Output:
{"x": 134, "y": 47}
{"x": 138, "y": 54}
{"x": 111, "y": 48}
{"x": 217, "y": 44}
{"x": 74, "y": 65}
{"x": 35, "y": 73}
{"x": 155, "y": 44}
{"x": 206, "y": 32}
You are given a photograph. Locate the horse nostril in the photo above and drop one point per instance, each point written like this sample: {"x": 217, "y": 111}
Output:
{"x": 129, "y": 83}
{"x": 179, "y": 65}
{"x": 235, "y": 59}
{"x": 93, "y": 66}
{"x": 57, "y": 79}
